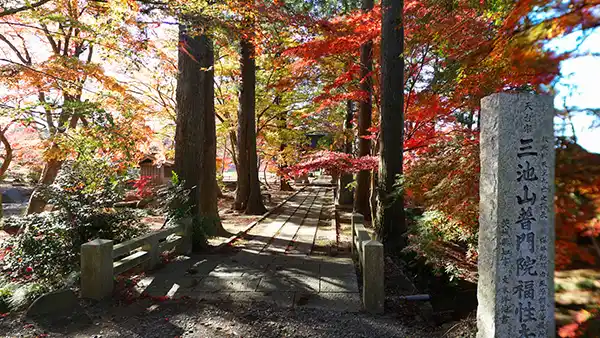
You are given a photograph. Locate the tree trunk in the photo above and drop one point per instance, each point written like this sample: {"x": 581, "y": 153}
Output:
{"x": 248, "y": 196}
{"x": 363, "y": 181}
{"x": 8, "y": 152}
{"x": 195, "y": 135}
{"x": 254, "y": 202}
{"x": 284, "y": 183}
{"x": 51, "y": 168}
{"x": 243, "y": 176}
{"x": 390, "y": 221}
{"x": 265, "y": 175}
{"x": 344, "y": 193}
{"x": 36, "y": 202}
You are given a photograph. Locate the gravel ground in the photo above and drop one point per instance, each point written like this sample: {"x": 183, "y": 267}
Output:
{"x": 187, "y": 318}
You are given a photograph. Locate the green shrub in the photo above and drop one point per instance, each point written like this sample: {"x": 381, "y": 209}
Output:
{"x": 433, "y": 235}
{"x": 45, "y": 255}
{"x": 587, "y": 284}
{"x": 175, "y": 203}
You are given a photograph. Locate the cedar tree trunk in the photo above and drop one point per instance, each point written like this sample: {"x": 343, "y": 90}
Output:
{"x": 390, "y": 220}
{"x": 248, "y": 195}
{"x": 345, "y": 195}
{"x": 363, "y": 181}
{"x": 195, "y": 135}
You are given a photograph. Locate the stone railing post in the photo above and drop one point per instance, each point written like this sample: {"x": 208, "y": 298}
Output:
{"x": 356, "y": 219}
{"x": 186, "y": 245}
{"x": 97, "y": 269}
{"x": 153, "y": 253}
{"x": 373, "y": 277}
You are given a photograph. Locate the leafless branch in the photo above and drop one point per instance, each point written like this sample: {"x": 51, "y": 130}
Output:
{"x": 6, "y": 12}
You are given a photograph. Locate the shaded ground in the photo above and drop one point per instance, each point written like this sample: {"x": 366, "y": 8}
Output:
{"x": 268, "y": 286}
{"x": 188, "y": 318}
{"x": 275, "y": 282}
{"x": 276, "y": 261}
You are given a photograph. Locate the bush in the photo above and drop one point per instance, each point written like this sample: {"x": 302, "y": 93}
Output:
{"x": 175, "y": 203}
{"x": 45, "y": 255}
{"x": 434, "y": 237}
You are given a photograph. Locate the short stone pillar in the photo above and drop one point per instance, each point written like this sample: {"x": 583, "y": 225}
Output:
{"x": 515, "y": 290}
{"x": 97, "y": 269}
{"x": 356, "y": 219}
{"x": 153, "y": 250}
{"x": 187, "y": 235}
{"x": 373, "y": 277}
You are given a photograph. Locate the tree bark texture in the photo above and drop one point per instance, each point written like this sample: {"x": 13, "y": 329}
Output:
{"x": 8, "y": 152}
{"x": 195, "y": 135}
{"x": 344, "y": 194}
{"x": 51, "y": 169}
{"x": 248, "y": 196}
{"x": 390, "y": 220}
{"x": 363, "y": 181}
{"x": 254, "y": 202}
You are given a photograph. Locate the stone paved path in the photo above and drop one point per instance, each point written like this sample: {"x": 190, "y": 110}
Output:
{"x": 276, "y": 263}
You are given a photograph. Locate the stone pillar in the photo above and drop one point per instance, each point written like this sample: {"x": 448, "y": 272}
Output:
{"x": 373, "y": 277}
{"x": 97, "y": 269}
{"x": 151, "y": 247}
{"x": 356, "y": 219}
{"x": 515, "y": 290}
{"x": 345, "y": 195}
{"x": 186, "y": 246}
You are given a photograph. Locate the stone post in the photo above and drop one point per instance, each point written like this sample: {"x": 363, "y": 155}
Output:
{"x": 97, "y": 269}
{"x": 151, "y": 247}
{"x": 373, "y": 277}
{"x": 516, "y": 235}
{"x": 186, "y": 245}
{"x": 356, "y": 219}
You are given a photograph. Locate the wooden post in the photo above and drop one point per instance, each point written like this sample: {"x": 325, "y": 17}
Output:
{"x": 373, "y": 277}
{"x": 97, "y": 269}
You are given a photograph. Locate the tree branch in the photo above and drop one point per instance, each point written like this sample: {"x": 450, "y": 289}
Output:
{"x": 24, "y": 58}
{"x": 7, "y": 12}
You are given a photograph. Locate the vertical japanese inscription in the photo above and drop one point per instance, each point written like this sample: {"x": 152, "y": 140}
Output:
{"x": 527, "y": 223}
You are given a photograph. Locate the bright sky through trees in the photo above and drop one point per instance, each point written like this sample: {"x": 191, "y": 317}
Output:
{"x": 579, "y": 85}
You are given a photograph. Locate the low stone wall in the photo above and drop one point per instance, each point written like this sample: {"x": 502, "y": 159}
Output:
{"x": 101, "y": 260}
{"x": 369, "y": 253}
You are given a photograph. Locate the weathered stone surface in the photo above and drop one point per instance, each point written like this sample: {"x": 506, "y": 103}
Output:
{"x": 255, "y": 275}
{"x": 97, "y": 269}
{"x": 227, "y": 284}
{"x": 338, "y": 284}
{"x": 59, "y": 303}
{"x": 339, "y": 268}
{"x": 516, "y": 236}
{"x": 333, "y": 301}
{"x": 373, "y": 277}
{"x": 280, "y": 282}
{"x": 279, "y": 298}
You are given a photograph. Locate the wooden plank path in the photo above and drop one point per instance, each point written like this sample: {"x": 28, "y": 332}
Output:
{"x": 276, "y": 263}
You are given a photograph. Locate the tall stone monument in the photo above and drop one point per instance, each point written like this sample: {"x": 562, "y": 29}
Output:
{"x": 516, "y": 235}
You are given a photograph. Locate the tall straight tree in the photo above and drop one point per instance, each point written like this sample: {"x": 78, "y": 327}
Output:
{"x": 363, "y": 181}
{"x": 345, "y": 196}
{"x": 248, "y": 195}
{"x": 344, "y": 193}
{"x": 195, "y": 135}
{"x": 390, "y": 220}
